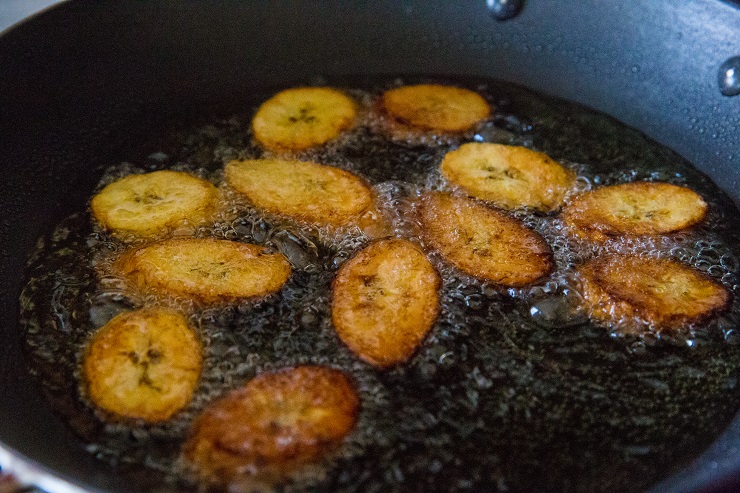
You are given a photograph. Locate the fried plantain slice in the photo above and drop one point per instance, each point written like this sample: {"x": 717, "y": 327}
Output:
{"x": 143, "y": 364}
{"x": 511, "y": 177}
{"x": 483, "y": 242}
{"x": 204, "y": 270}
{"x": 151, "y": 203}
{"x": 303, "y": 117}
{"x": 436, "y": 107}
{"x": 385, "y": 301}
{"x": 633, "y": 209}
{"x": 274, "y": 424}
{"x": 664, "y": 293}
{"x": 302, "y": 190}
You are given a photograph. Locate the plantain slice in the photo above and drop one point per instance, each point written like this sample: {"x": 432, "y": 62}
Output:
{"x": 204, "y": 270}
{"x": 511, "y": 177}
{"x": 385, "y": 301}
{"x": 302, "y": 190}
{"x": 666, "y": 294}
{"x": 483, "y": 242}
{"x": 436, "y": 107}
{"x": 276, "y": 423}
{"x": 143, "y": 364}
{"x": 303, "y": 117}
{"x": 640, "y": 208}
{"x": 150, "y": 203}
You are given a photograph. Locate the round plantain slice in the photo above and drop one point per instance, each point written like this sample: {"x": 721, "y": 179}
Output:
{"x": 511, "y": 177}
{"x": 635, "y": 209}
{"x": 483, "y": 242}
{"x": 303, "y": 117}
{"x": 385, "y": 301}
{"x": 151, "y": 203}
{"x": 666, "y": 294}
{"x": 436, "y": 107}
{"x": 274, "y": 424}
{"x": 143, "y": 364}
{"x": 204, "y": 270}
{"x": 302, "y": 190}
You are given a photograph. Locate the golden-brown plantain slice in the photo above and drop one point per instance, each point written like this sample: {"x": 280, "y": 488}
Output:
{"x": 436, "y": 107}
{"x": 151, "y": 203}
{"x": 205, "y": 270}
{"x": 302, "y": 190}
{"x": 385, "y": 301}
{"x": 303, "y": 117}
{"x": 640, "y": 208}
{"x": 483, "y": 242}
{"x": 143, "y": 364}
{"x": 276, "y": 423}
{"x": 663, "y": 293}
{"x": 511, "y": 177}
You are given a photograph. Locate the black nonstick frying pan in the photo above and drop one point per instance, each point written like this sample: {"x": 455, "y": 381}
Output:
{"x": 83, "y": 80}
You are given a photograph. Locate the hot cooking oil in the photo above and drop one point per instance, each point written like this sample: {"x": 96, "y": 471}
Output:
{"x": 513, "y": 389}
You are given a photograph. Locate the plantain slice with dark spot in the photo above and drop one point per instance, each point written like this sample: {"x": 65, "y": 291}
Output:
{"x": 484, "y": 242}
{"x": 435, "y": 107}
{"x": 152, "y": 203}
{"x": 633, "y": 209}
{"x": 303, "y": 117}
{"x": 385, "y": 301}
{"x": 302, "y": 190}
{"x": 276, "y": 423}
{"x": 626, "y": 290}
{"x": 510, "y": 177}
{"x": 143, "y": 364}
{"x": 203, "y": 270}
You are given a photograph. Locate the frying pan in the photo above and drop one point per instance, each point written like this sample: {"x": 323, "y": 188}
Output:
{"x": 83, "y": 80}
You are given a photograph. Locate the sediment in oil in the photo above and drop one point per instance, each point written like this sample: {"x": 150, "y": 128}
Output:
{"x": 513, "y": 390}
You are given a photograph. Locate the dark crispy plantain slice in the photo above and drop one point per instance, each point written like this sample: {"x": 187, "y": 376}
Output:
{"x": 385, "y": 301}
{"x": 640, "y": 208}
{"x": 276, "y": 423}
{"x": 204, "y": 270}
{"x": 436, "y": 107}
{"x": 143, "y": 364}
{"x": 511, "y": 177}
{"x": 483, "y": 242}
{"x": 151, "y": 203}
{"x": 302, "y": 190}
{"x": 303, "y": 117}
{"x": 666, "y": 294}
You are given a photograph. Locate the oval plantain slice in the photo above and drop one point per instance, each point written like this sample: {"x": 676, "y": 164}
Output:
{"x": 302, "y": 190}
{"x": 151, "y": 203}
{"x": 385, "y": 301}
{"x": 274, "y": 424}
{"x": 640, "y": 208}
{"x": 436, "y": 107}
{"x": 143, "y": 364}
{"x": 483, "y": 242}
{"x": 204, "y": 270}
{"x": 511, "y": 177}
{"x": 664, "y": 293}
{"x": 303, "y": 117}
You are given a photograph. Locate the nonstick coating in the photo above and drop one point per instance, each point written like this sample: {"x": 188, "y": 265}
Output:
{"x": 81, "y": 82}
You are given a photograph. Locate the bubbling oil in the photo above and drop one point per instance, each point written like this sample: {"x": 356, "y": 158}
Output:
{"x": 512, "y": 390}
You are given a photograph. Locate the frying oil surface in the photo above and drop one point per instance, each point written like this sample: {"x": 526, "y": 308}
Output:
{"x": 512, "y": 390}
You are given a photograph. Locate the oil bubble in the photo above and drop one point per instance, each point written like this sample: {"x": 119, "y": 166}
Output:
{"x": 104, "y": 307}
{"x": 556, "y": 311}
{"x": 300, "y": 252}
